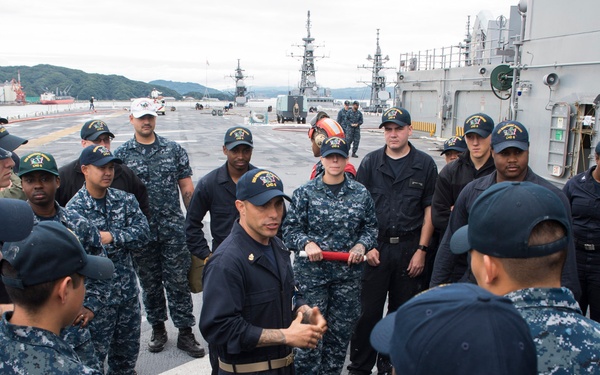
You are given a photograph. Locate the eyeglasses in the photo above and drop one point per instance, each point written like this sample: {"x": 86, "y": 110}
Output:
{"x": 101, "y": 140}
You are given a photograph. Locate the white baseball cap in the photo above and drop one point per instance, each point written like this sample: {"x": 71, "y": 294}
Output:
{"x": 143, "y": 106}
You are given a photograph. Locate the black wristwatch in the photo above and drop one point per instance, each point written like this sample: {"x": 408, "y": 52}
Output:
{"x": 423, "y": 248}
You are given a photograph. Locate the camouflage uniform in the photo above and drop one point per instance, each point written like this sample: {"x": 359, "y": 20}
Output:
{"x": 335, "y": 224}
{"x": 115, "y": 328}
{"x": 31, "y": 350}
{"x": 15, "y": 190}
{"x": 353, "y": 133}
{"x": 342, "y": 119}
{"x": 77, "y": 337}
{"x": 167, "y": 260}
{"x": 566, "y": 341}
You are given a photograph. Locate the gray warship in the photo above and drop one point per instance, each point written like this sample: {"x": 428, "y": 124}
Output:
{"x": 379, "y": 93}
{"x": 539, "y": 66}
{"x": 241, "y": 91}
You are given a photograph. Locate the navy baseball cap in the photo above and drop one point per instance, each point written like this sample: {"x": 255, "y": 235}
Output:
{"x": 92, "y": 129}
{"x": 396, "y": 115}
{"x": 98, "y": 156}
{"x": 334, "y": 145}
{"x": 455, "y": 143}
{"x": 347, "y": 102}
{"x": 37, "y": 161}
{"x": 258, "y": 186}
{"x": 479, "y": 123}
{"x": 456, "y": 329}
{"x": 510, "y": 134}
{"x": 503, "y": 216}
{"x": 10, "y": 142}
{"x": 49, "y": 252}
{"x": 598, "y": 148}
{"x": 5, "y": 154}
{"x": 16, "y": 219}
{"x": 236, "y": 136}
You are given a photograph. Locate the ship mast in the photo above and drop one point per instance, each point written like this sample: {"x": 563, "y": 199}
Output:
{"x": 379, "y": 95}
{"x": 308, "y": 81}
{"x": 241, "y": 92}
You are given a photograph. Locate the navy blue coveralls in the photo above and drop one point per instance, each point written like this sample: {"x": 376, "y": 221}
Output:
{"x": 584, "y": 195}
{"x": 244, "y": 293}
{"x": 400, "y": 203}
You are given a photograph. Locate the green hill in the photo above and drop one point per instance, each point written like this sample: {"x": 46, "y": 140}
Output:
{"x": 36, "y": 79}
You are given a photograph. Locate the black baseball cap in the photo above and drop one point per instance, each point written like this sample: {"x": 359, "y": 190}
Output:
{"x": 10, "y": 142}
{"x": 92, "y": 129}
{"x": 37, "y": 161}
{"x": 502, "y": 218}
{"x": 236, "y": 136}
{"x": 346, "y": 102}
{"x": 479, "y": 123}
{"x": 355, "y": 102}
{"x": 396, "y": 115}
{"x": 334, "y": 145}
{"x": 510, "y": 134}
{"x": 16, "y": 220}
{"x": 455, "y": 143}
{"x": 457, "y": 329}
{"x": 97, "y": 156}
{"x": 49, "y": 252}
{"x": 258, "y": 186}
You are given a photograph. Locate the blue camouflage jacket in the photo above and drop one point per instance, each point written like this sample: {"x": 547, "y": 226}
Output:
{"x": 334, "y": 223}
{"x": 354, "y": 117}
{"x": 31, "y": 350}
{"x": 566, "y": 341}
{"x": 123, "y": 218}
{"x": 89, "y": 236}
{"x": 160, "y": 170}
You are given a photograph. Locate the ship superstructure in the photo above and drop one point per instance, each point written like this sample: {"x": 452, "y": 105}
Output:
{"x": 524, "y": 67}
{"x": 241, "y": 91}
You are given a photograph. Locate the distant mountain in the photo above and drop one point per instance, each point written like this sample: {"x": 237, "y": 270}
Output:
{"x": 79, "y": 84}
{"x": 195, "y": 90}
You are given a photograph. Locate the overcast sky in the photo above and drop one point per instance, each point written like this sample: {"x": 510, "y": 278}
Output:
{"x": 173, "y": 40}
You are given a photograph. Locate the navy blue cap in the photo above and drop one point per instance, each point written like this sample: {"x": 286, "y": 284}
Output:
{"x": 92, "y": 129}
{"x": 598, "y": 148}
{"x": 347, "y": 102}
{"x": 16, "y": 219}
{"x": 456, "y": 329}
{"x": 455, "y": 143}
{"x": 5, "y": 154}
{"x": 479, "y": 123}
{"x": 503, "y": 216}
{"x": 334, "y": 145}
{"x": 259, "y": 186}
{"x": 236, "y": 136}
{"x": 510, "y": 134}
{"x": 98, "y": 156}
{"x": 49, "y": 252}
{"x": 396, "y": 115}
{"x": 10, "y": 142}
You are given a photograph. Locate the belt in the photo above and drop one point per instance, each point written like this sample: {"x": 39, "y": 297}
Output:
{"x": 586, "y": 246}
{"x": 397, "y": 238}
{"x": 257, "y": 366}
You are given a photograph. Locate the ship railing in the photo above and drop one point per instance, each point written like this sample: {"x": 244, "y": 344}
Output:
{"x": 469, "y": 54}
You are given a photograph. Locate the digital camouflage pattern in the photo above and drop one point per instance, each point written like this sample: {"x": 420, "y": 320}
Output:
{"x": 116, "y": 327}
{"x": 566, "y": 341}
{"x": 30, "y": 350}
{"x": 160, "y": 169}
{"x": 77, "y": 337}
{"x": 335, "y": 224}
{"x": 353, "y": 132}
{"x": 342, "y": 120}
{"x": 166, "y": 261}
